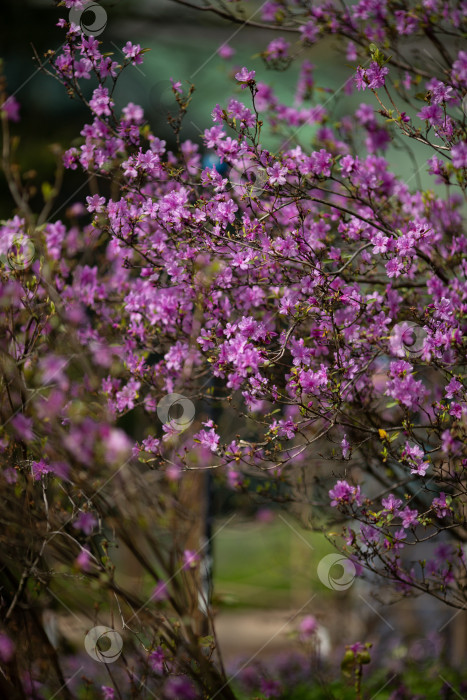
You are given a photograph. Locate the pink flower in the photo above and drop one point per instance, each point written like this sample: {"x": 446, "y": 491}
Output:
{"x": 133, "y": 112}
{"x": 309, "y": 32}
{"x": 176, "y": 86}
{"x": 308, "y": 627}
{"x": 348, "y": 165}
{"x": 133, "y": 52}
{"x": 403, "y": 387}
{"x": 225, "y": 51}
{"x": 441, "y": 507}
{"x": 395, "y": 543}
{"x": 414, "y": 456}
{"x": 86, "y": 522}
{"x": 173, "y": 472}
{"x": 360, "y": 79}
{"x": 83, "y": 560}
{"x": 151, "y": 444}
{"x": 11, "y": 108}
{"x": 398, "y": 537}
{"x": 270, "y": 688}
{"x": 40, "y": 468}
{"x": 459, "y": 155}
{"x": 449, "y": 444}
{"x": 320, "y": 163}
{"x": 453, "y": 388}
{"x": 311, "y": 382}
{"x": 101, "y": 102}
{"x": 344, "y": 493}
{"x": 432, "y": 113}
{"x": 208, "y": 439}
{"x": 23, "y": 427}
{"x": 117, "y": 444}
{"x": 391, "y": 503}
{"x": 276, "y": 174}
{"x": 7, "y": 648}
{"x": 375, "y": 75}
{"x": 179, "y": 688}
{"x": 217, "y": 114}
{"x": 286, "y": 428}
{"x": 277, "y": 48}
{"x": 444, "y": 552}
{"x": 226, "y": 212}
{"x": 11, "y": 476}
{"x": 265, "y": 516}
{"x": 95, "y": 203}
{"x": 160, "y": 591}
{"x": 420, "y": 468}
{"x": 345, "y": 445}
{"x": 190, "y": 559}
{"x": 156, "y": 660}
{"x": 351, "y": 54}
{"x": 394, "y": 268}
{"x": 409, "y": 517}
{"x": 245, "y": 76}
{"x": 234, "y": 479}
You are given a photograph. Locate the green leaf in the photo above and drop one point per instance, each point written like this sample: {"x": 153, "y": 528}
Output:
{"x": 207, "y": 641}
{"x": 47, "y": 191}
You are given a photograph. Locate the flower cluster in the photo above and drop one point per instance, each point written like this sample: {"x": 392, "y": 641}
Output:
{"x": 279, "y": 287}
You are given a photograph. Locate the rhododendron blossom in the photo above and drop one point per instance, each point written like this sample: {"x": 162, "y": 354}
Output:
{"x": 292, "y": 302}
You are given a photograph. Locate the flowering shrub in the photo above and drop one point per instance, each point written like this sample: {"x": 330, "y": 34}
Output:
{"x": 310, "y": 292}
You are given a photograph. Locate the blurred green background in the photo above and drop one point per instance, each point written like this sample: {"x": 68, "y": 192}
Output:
{"x": 183, "y": 45}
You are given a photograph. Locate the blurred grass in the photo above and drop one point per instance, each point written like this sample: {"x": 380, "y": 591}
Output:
{"x": 412, "y": 683}
{"x": 264, "y": 565}
{"x": 257, "y": 565}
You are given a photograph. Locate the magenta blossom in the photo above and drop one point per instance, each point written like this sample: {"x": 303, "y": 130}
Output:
{"x": 7, "y": 648}
{"x": 23, "y": 427}
{"x": 391, "y": 504}
{"x": 270, "y": 688}
{"x": 190, "y": 559}
{"x": 160, "y": 591}
{"x": 343, "y": 494}
{"x": 86, "y": 522}
{"x": 11, "y": 109}
{"x": 245, "y": 76}
{"x": 441, "y": 506}
{"x": 225, "y": 51}
{"x": 156, "y": 660}
{"x": 83, "y": 560}
{"x": 307, "y": 627}
{"x": 133, "y": 52}
{"x": 179, "y": 688}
